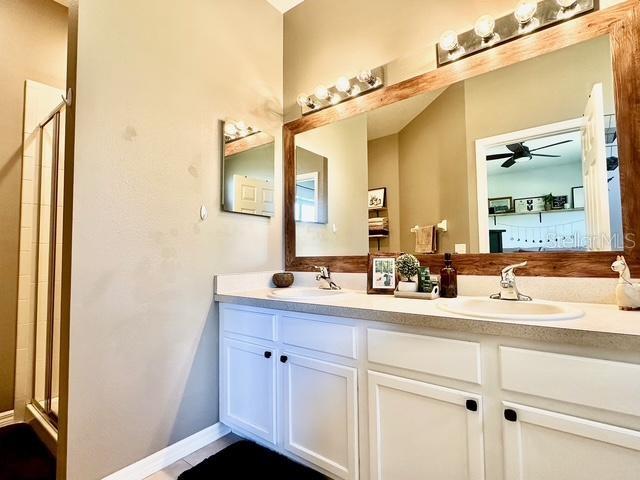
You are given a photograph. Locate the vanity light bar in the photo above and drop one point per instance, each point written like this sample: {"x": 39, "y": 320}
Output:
{"x": 237, "y": 130}
{"x": 528, "y": 16}
{"x": 345, "y": 89}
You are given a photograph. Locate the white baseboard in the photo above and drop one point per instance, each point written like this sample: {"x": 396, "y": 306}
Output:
{"x": 6, "y": 418}
{"x": 165, "y": 457}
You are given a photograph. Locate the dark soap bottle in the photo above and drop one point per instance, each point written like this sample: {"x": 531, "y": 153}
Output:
{"x": 448, "y": 279}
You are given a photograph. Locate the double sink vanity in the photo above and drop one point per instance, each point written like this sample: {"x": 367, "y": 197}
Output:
{"x": 375, "y": 387}
{"x": 524, "y": 151}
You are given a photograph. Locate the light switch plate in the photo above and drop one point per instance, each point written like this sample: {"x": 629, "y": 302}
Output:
{"x": 460, "y": 248}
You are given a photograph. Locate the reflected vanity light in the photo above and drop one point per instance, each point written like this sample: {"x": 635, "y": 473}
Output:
{"x": 527, "y": 17}
{"x": 237, "y": 130}
{"x": 344, "y": 89}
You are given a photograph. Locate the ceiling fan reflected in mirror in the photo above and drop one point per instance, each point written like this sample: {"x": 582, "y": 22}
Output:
{"x": 519, "y": 152}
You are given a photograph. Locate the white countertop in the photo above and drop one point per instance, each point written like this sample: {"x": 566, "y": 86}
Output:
{"x": 602, "y": 325}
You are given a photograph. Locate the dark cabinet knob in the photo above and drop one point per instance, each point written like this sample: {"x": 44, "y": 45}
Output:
{"x": 472, "y": 405}
{"x": 284, "y": 358}
{"x": 510, "y": 414}
{"x": 267, "y": 354}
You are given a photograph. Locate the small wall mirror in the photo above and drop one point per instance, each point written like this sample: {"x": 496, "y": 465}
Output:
{"x": 247, "y": 170}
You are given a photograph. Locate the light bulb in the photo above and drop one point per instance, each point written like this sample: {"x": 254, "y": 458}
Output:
{"x": 321, "y": 92}
{"x": 240, "y": 125}
{"x": 525, "y": 11}
{"x": 305, "y": 101}
{"x": 343, "y": 84}
{"x": 365, "y": 76}
{"x": 355, "y": 91}
{"x": 448, "y": 41}
{"x": 566, "y": 3}
{"x": 484, "y": 26}
{"x": 230, "y": 129}
{"x": 335, "y": 99}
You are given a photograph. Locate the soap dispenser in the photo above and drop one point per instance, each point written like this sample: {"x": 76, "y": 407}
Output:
{"x": 448, "y": 278}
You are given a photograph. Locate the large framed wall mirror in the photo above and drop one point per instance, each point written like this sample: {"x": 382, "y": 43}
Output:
{"x": 527, "y": 151}
{"x": 247, "y": 170}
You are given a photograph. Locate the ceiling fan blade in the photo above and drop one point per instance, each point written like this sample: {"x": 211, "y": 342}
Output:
{"x": 498, "y": 156}
{"x": 508, "y": 163}
{"x": 551, "y": 145}
{"x": 543, "y": 155}
{"x": 515, "y": 147}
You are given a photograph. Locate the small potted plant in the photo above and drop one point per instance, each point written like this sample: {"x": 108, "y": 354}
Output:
{"x": 408, "y": 267}
{"x": 548, "y": 201}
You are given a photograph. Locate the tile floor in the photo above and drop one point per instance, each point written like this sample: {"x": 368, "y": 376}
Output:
{"x": 172, "y": 471}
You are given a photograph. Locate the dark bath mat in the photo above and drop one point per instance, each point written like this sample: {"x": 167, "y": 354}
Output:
{"x": 245, "y": 460}
{"x": 23, "y": 456}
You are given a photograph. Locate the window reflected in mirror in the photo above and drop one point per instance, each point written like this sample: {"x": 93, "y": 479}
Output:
{"x": 247, "y": 171}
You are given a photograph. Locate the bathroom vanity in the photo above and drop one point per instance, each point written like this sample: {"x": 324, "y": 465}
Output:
{"x": 374, "y": 387}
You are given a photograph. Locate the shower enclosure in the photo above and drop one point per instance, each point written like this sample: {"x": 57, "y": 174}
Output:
{"x": 47, "y": 254}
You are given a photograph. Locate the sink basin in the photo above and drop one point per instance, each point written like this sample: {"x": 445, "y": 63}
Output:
{"x": 303, "y": 293}
{"x": 509, "y": 310}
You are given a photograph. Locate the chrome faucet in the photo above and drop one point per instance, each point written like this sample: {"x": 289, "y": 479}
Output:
{"x": 508, "y": 288}
{"x": 324, "y": 277}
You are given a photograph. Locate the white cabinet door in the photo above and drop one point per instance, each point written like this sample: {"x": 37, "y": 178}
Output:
{"x": 320, "y": 413}
{"x": 247, "y": 388}
{"x": 543, "y": 445}
{"x": 421, "y": 431}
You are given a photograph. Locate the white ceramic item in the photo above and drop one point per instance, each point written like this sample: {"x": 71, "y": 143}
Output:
{"x": 627, "y": 293}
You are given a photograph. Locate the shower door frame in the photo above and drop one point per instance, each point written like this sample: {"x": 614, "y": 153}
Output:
{"x": 46, "y": 410}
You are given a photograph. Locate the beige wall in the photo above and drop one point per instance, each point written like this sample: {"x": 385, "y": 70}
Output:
{"x": 33, "y": 35}
{"x": 383, "y": 156}
{"x": 324, "y": 39}
{"x": 344, "y": 144}
{"x": 154, "y": 78}
{"x": 433, "y": 173}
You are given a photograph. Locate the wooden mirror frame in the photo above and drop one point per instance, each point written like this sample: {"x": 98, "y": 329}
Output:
{"x": 622, "y": 24}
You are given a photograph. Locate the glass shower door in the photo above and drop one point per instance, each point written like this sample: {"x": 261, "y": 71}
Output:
{"x": 48, "y": 256}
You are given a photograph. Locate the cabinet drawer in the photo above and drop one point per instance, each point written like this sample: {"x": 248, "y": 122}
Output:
{"x": 434, "y": 355}
{"x": 318, "y": 335}
{"x": 585, "y": 381}
{"x": 248, "y": 322}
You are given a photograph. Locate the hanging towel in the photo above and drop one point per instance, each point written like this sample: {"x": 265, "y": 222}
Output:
{"x": 426, "y": 239}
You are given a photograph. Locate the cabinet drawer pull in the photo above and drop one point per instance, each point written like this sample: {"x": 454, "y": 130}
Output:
{"x": 267, "y": 354}
{"x": 510, "y": 414}
{"x": 472, "y": 405}
{"x": 284, "y": 358}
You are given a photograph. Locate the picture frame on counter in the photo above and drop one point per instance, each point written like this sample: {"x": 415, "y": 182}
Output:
{"x": 529, "y": 204}
{"x": 500, "y": 205}
{"x": 377, "y": 198}
{"x": 382, "y": 274}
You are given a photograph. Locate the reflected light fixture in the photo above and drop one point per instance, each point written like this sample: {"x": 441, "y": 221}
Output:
{"x": 235, "y": 130}
{"x": 525, "y": 11}
{"x": 305, "y": 101}
{"x": 367, "y": 76}
{"x": 345, "y": 88}
{"x": 484, "y": 27}
{"x": 230, "y": 129}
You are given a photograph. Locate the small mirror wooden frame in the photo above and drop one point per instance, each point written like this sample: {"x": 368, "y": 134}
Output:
{"x": 622, "y": 24}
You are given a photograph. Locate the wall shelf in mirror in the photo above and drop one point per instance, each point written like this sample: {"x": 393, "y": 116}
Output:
{"x": 619, "y": 26}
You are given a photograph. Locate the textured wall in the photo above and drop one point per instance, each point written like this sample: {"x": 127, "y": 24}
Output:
{"x": 154, "y": 78}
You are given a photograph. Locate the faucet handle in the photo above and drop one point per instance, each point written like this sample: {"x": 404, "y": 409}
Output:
{"x": 511, "y": 268}
{"x": 324, "y": 271}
